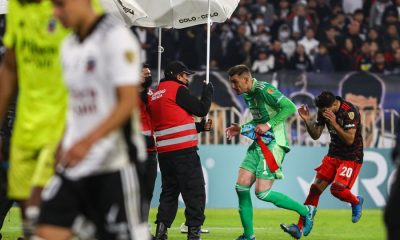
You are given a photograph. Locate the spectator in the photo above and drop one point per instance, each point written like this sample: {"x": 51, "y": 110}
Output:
{"x": 310, "y": 43}
{"x": 373, "y": 34}
{"x": 339, "y": 22}
{"x": 264, "y": 62}
{"x": 266, "y": 9}
{"x": 279, "y": 55}
{"x": 347, "y": 61}
{"x": 373, "y": 48}
{"x": 380, "y": 65}
{"x": 247, "y": 50}
{"x": 225, "y": 37}
{"x": 201, "y": 47}
{"x": 323, "y": 62}
{"x": 243, "y": 18}
{"x": 300, "y": 60}
{"x": 282, "y": 13}
{"x": 170, "y": 42}
{"x": 187, "y": 41}
{"x": 323, "y": 10}
{"x": 376, "y": 12}
{"x": 299, "y": 21}
{"x": 148, "y": 44}
{"x": 235, "y": 53}
{"x": 330, "y": 40}
{"x": 312, "y": 12}
{"x": 288, "y": 45}
{"x": 364, "y": 58}
{"x": 391, "y": 33}
{"x": 396, "y": 62}
{"x": 393, "y": 9}
{"x": 389, "y": 53}
{"x": 261, "y": 38}
{"x": 391, "y": 17}
{"x": 359, "y": 17}
{"x": 353, "y": 32}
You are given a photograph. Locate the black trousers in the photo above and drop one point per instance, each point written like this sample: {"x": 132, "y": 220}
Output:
{"x": 147, "y": 180}
{"x": 392, "y": 210}
{"x": 182, "y": 173}
{"x": 109, "y": 200}
{"x": 5, "y": 203}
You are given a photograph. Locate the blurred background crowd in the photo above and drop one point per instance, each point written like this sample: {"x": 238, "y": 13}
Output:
{"x": 271, "y": 35}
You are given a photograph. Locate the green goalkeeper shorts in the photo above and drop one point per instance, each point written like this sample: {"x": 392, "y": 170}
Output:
{"x": 255, "y": 162}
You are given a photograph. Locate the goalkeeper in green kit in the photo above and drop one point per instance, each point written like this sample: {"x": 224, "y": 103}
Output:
{"x": 263, "y": 161}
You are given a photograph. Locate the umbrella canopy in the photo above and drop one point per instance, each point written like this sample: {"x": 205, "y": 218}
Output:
{"x": 172, "y": 13}
{"x": 127, "y": 12}
{"x": 169, "y": 13}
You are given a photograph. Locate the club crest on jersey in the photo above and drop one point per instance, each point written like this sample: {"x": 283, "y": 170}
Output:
{"x": 270, "y": 90}
{"x": 129, "y": 56}
{"x": 51, "y": 26}
{"x": 351, "y": 115}
{"x": 90, "y": 65}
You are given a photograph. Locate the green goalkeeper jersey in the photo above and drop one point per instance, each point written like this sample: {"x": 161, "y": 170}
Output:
{"x": 268, "y": 105}
{"x": 35, "y": 35}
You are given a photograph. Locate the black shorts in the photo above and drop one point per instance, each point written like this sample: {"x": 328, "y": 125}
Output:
{"x": 109, "y": 200}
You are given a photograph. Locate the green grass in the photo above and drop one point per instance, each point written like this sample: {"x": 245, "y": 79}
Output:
{"x": 225, "y": 224}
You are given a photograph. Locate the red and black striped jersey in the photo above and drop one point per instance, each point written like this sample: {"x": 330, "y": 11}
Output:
{"x": 347, "y": 117}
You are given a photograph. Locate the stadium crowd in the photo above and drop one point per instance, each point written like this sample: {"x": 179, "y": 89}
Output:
{"x": 270, "y": 35}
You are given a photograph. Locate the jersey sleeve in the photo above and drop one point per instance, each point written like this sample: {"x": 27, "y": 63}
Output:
{"x": 124, "y": 64}
{"x": 272, "y": 96}
{"x": 284, "y": 106}
{"x": 10, "y": 37}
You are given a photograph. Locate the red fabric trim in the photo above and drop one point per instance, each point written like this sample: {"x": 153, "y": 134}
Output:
{"x": 268, "y": 156}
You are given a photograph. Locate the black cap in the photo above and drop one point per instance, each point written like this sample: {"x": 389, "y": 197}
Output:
{"x": 176, "y": 67}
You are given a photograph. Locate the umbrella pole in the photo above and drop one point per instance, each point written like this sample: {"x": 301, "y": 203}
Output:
{"x": 159, "y": 51}
{"x": 208, "y": 43}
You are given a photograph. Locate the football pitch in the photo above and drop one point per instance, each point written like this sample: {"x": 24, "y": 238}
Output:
{"x": 333, "y": 224}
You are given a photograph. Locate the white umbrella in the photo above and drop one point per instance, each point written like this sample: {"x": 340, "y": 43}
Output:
{"x": 124, "y": 11}
{"x": 177, "y": 14}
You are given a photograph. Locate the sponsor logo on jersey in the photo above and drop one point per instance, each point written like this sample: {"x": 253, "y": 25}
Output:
{"x": 51, "y": 26}
{"x": 129, "y": 56}
{"x": 158, "y": 94}
{"x": 351, "y": 115}
{"x": 90, "y": 65}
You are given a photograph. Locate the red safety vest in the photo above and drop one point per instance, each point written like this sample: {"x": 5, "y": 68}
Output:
{"x": 174, "y": 127}
{"x": 147, "y": 129}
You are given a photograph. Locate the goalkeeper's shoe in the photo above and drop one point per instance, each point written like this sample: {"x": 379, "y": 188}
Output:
{"x": 309, "y": 219}
{"x": 242, "y": 237}
{"x": 357, "y": 210}
{"x": 293, "y": 230}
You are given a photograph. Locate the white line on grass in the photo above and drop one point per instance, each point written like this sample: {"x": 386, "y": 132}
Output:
{"x": 226, "y": 228}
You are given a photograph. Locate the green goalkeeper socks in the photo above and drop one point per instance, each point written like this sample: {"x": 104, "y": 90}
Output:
{"x": 245, "y": 209}
{"x": 283, "y": 201}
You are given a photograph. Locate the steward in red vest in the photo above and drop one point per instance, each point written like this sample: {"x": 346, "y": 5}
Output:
{"x": 171, "y": 108}
{"x": 147, "y": 171}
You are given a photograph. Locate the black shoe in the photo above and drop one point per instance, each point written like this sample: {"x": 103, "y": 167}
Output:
{"x": 194, "y": 233}
{"x": 161, "y": 232}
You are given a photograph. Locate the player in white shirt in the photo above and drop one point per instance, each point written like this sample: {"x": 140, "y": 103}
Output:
{"x": 95, "y": 175}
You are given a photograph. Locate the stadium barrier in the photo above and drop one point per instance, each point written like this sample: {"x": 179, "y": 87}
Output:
{"x": 221, "y": 163}
{"x": 223, "y": 116}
